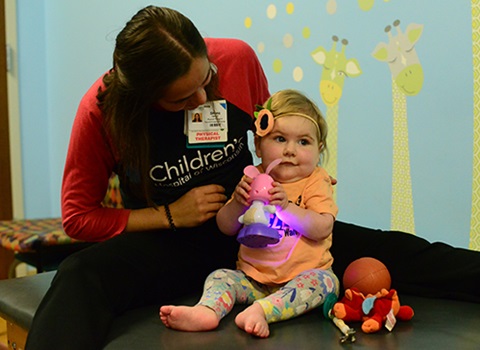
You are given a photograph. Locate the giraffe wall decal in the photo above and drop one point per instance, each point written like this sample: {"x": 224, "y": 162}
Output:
{"x": 336, "y": 67}
{"x": 475, "y": 215}
{"x": 407, "y": 80}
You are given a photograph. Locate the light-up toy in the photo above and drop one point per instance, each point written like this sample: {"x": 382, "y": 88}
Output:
{"x": 255, "y": 232}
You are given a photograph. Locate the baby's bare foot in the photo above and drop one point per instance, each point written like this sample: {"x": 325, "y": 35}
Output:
{"x": 189, "y": 318}
{"x": 252, "y": 320}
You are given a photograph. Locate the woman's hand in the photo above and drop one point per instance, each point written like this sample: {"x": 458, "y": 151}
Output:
{"x": 198, "y": 205}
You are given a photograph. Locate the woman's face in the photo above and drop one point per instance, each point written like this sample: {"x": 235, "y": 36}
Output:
{"x": 188, "y": 91}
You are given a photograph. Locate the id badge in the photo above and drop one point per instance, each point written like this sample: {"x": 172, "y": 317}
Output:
{"x": 207, "y": 125}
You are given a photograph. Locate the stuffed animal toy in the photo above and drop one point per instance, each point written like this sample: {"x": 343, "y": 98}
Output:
{"x": 375, "y": 311}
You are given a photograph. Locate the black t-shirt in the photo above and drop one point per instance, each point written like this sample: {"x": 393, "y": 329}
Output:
{"x": 176, "y": 168}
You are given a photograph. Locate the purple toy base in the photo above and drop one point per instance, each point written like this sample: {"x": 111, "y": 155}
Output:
{"x": 258, "y": 236}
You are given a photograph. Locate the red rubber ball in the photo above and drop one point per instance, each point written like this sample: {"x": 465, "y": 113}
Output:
{"x": 368, "y": 275}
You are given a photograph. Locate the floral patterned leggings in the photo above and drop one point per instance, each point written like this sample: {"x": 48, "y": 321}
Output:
{"x": 223, "y": 288}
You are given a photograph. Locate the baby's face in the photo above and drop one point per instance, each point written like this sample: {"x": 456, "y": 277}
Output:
{"x": 294, "y": 139}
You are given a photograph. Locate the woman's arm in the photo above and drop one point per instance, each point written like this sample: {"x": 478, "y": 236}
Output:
{"x": 88, "y": 167}
{"x": 192, "y": 209}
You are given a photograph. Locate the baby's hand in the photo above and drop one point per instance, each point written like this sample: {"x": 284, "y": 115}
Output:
{"x": 278, "y": 196}
{"x": 241, "y": 191}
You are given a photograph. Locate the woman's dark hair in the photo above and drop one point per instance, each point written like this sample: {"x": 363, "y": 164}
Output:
{"x": 156, "y": 47}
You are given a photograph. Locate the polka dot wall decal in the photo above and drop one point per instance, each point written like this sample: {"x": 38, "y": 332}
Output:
{"x": 290, "y": 8}
{"x": 306, "y": 32}
{"x": 366, "y": 5}
{"x": 297, "y": 74}
{"x": 288, "y": 40}
{"x": 248, "y": 22}
{"x": 331, "y": 7}
{"x": 277, "y": 65}
{"x": 261, "y": 47}
{"x": 271, "y": 11}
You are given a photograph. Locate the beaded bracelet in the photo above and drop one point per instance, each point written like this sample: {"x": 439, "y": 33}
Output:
{"x": 169, "y": 217}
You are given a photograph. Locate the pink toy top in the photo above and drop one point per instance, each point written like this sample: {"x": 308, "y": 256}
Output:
{"x": 262, "y": 183}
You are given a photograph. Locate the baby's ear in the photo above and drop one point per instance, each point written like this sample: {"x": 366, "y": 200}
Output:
{"x": 251, "y": 171}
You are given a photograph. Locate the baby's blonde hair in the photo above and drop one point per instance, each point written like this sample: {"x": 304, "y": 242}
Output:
{"x": 291, "y": 101}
